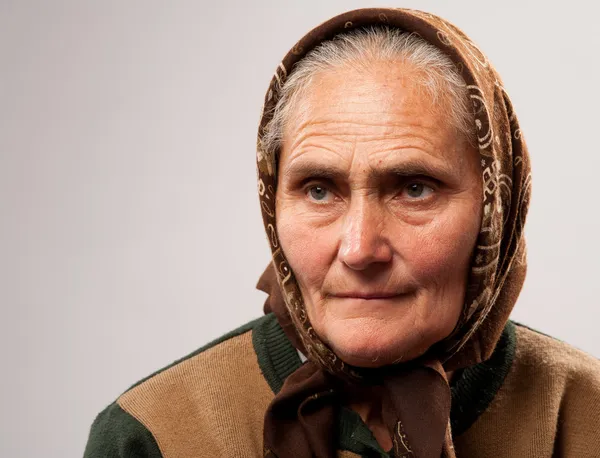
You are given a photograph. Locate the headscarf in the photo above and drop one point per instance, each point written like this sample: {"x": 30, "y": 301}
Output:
{"x": 300, "y": 421}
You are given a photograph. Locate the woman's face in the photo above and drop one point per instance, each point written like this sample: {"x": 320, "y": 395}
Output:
{"x": 378, "y": 211}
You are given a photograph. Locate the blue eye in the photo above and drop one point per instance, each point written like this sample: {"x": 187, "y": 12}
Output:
{"x": 418, "y": 190}
{"x": 318, "y": 193}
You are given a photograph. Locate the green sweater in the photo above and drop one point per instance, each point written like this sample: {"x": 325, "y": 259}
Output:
{"x": 536, "y": 397}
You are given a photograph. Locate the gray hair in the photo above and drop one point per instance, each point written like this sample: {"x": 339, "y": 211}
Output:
{"x": 435, "y": 74}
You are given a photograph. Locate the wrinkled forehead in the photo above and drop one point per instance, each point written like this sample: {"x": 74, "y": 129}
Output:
{"x": 372, "y": 119}
{"x": 372, "y": 95}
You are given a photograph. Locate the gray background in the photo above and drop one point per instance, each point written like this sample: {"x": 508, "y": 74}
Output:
{"x": 130, "y": 230}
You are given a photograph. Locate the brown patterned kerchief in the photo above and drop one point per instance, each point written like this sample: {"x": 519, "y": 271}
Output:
{"x": 299, "y": 422}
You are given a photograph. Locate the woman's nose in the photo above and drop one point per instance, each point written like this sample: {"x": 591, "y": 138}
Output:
{"x": 363, "y": 240}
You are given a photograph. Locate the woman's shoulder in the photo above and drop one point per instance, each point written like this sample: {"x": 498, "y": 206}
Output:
{"x": 548, "y": 403}
{"x": 564, "y": 383}
{"x": 187, "y": 402}
{"x": 542, "y": 353}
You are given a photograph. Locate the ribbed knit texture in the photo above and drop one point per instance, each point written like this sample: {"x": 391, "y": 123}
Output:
{"x": 276, "y": 356}
{"x": 475, "y": 387}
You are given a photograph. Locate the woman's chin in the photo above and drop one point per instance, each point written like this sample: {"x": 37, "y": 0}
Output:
{"x": 372, "y": 345}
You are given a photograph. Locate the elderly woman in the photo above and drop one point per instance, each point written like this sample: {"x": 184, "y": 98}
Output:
{"x": 394, "y": 183}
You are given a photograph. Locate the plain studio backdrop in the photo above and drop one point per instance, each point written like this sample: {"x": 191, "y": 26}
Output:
{"x": 130, "y": 229}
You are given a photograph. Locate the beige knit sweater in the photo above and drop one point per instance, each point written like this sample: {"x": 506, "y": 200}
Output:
{"x": 536, "y": 397}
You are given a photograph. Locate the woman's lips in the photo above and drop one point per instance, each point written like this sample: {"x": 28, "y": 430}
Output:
{"x": 374, "y": 294}
{"x": 367, "y": 295}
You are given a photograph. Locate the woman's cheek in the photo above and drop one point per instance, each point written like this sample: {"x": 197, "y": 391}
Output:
{"x": 309, "y": 250}
{"x": 442, "y": 248}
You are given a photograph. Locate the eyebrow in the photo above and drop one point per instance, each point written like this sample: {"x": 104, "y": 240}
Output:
{"x": 331, "y": 172}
